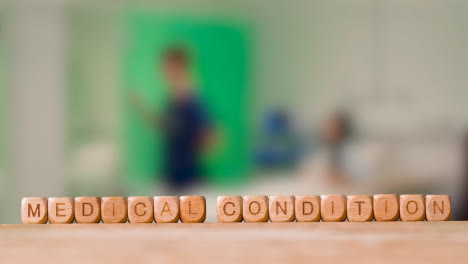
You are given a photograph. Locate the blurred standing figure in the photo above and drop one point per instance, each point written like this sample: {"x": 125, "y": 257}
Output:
{"x": 185, "y": 125}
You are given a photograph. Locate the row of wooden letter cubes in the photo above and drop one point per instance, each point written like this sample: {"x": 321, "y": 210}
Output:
{"x": 252, "y": 208}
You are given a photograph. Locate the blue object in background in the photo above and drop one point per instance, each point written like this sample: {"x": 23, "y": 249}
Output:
{"x": 279, "y": 148}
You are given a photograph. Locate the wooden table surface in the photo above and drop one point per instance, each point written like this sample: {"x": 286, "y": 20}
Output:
{"x": 371, "y": 242}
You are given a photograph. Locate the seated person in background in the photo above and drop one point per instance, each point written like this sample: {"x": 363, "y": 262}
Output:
{"x": 328, "y": 160}
{"x": 185, "y": 126}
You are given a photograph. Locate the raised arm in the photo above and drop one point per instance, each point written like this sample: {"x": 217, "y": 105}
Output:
{"x": 146, "y": 113}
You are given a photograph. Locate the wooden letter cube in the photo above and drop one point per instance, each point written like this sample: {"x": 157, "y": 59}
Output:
{"x": 255, "y": 208}
{"x": 438, "y": 208}
{"x": 140, "y": 209}
{"x": 229, "y": 209}
{"x": 386, "y": 207}
{"x": 192, "y": 209}
{"x": 166, "y": 209}
{"x": 34, "y": 210}
{"x": 360, "y": 208}
{"x": 87, "y": 210}
{"x": 61, "y": 210}
{"x": 114, "y": 210}
{"x": 281, "y": 208}
{"x": 412, "y": 207}
{"x": 307, "y": 208}
{"x": 333, "y": 208}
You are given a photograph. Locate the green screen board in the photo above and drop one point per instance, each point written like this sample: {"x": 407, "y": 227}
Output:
{"x": 220, "y": 71}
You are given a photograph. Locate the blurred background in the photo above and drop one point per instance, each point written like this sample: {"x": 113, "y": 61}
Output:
{"x": 279, "y": 97}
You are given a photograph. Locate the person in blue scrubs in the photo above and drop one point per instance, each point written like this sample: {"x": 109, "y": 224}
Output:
{"x": 185, "y": 125}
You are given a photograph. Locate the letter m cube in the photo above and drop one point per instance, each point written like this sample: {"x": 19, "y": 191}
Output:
{"x": 34, "y": 210}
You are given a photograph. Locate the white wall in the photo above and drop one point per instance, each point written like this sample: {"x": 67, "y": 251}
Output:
{"x": 35, "y": 44}
{"x": 398, "y": 66}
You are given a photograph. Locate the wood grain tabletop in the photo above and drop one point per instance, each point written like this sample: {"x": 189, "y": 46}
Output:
{"x": 344, "y": 242}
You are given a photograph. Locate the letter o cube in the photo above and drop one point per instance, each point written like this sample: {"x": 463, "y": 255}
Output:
{"x": 255, "y": 208}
